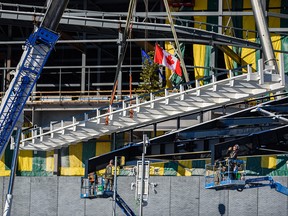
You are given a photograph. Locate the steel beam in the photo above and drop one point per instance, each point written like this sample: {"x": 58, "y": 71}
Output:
{"x": 182, "y": 31}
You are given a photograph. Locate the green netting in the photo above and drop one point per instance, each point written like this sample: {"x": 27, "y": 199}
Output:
{"x": 89, "y": 150}
{"x": 65, "y": 157}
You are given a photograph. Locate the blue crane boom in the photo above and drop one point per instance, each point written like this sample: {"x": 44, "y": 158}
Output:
{"x": 36, "y": 52}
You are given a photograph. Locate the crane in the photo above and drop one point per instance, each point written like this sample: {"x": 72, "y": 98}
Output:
{"x": 35, "y": 54}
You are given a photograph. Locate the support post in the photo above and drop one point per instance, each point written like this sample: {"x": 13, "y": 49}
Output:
{"x": 212, "y": 63}
{"x": 131, "y": 136}
{"x": 145, "y": 144}
{"x": 220, "y": 18}
{"x": 178, "y": 123}
{"x": 115, "y": 186}
{"x": 83, "y": 73}
{"x": 9, "y": 196}
{"x": 57, "y": 160}
{"x": 155, "y": 129}
{"x": 113, "y": 141}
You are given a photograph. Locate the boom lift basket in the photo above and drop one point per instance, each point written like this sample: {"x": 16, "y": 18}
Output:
{"x": 226, "y": 174}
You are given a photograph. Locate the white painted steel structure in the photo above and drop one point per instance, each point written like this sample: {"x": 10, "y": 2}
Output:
{"x": 155, "y": 109}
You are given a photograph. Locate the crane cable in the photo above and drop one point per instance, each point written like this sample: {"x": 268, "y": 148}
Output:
{"x": 186, "y": 76}
{"x": 132, "y": 6}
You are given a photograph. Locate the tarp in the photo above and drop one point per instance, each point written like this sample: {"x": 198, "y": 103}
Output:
{"x": 275, "y": 165}
{"x": 251, "y": 56}
{"x": 199, "y": 51}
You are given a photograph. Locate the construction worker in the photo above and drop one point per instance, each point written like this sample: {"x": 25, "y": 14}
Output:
{"x": 109, "y": 178}
{"x": 93, "y": 182}
{"x": 232, "y": 154}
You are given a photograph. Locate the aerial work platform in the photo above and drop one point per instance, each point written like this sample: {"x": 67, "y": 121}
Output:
{"x": 227, "y": 174}
{"x": 93, "y": 187}
{"x": 230, "y": 174}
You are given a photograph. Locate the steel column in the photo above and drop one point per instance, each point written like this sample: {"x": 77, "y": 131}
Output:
{"x": 263, "y": 32}
{"x": 83, "y": 73}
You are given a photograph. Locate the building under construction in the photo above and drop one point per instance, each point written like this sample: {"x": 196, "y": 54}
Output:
{"x": 94, "y": 99}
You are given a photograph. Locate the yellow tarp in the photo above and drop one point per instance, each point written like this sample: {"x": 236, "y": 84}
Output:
{"x": 269, "y": 162}
{"x": 50, "y": 161}
{"x": 227, "y": 22}
{"x": 157, "y": 169}
{"x": 199, "y": 51}
{"x": 102, "y": 148}
{"x": 25, "y": 160}
{"x": 274, "y": 22}
{"x": 3, "y": 171}
{"x": 75, "y": 162}
{"x": 184, "y": 168}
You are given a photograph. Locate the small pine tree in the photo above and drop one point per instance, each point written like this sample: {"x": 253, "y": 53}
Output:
{"x": 149, "y": 76}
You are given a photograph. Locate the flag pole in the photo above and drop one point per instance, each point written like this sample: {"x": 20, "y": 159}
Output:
{"x": 176, "y": 41}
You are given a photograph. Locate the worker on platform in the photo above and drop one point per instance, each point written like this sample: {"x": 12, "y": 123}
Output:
{"x": 93, "y": 182}
{"x": 109, "y": 178}
{"x": 232, "y": 154}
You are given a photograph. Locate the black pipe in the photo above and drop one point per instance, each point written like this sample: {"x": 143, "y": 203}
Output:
{"x": 53, "y": 14}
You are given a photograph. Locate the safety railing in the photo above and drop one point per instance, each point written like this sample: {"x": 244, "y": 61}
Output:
{"x": 142, "y": 100}
{"x": 225, "y": 171}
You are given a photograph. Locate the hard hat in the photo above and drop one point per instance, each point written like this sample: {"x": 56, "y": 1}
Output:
{"x": 237, "y": 146}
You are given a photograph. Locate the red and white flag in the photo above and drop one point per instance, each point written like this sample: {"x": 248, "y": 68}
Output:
{"x": 166, "y": 59}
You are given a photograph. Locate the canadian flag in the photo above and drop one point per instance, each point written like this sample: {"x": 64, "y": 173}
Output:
{"x": 168, "y": 60}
